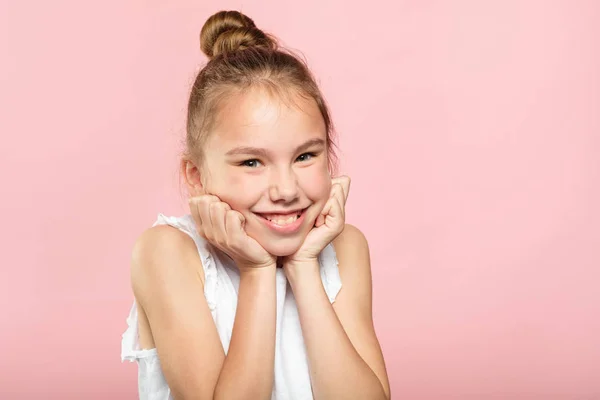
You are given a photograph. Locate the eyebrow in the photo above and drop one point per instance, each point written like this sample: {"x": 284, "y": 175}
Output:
{"x": 263, "y": 153}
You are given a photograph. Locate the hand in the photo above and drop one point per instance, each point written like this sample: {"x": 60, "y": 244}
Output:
{"x": 328, "y": 225}
{"x": 224, "y": 228}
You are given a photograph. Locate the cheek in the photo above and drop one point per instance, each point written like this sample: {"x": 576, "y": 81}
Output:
{"x": 316, "y": 185}
{"x": 237, "y": 191}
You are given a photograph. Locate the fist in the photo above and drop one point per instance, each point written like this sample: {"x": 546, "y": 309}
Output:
{"x": 224, "y": 228}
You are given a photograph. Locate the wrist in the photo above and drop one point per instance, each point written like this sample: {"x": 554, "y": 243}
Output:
{"x": 257, "y": 273}
{"x": 297, "y": 270}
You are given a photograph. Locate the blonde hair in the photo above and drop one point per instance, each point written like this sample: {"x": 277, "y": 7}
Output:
{"x": 242, "y": 57}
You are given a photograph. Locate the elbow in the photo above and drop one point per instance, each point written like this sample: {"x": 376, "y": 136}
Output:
{"x": 387, "y": 395}
{"x": 238, "y": 393}
{"x": 385, "y": 392}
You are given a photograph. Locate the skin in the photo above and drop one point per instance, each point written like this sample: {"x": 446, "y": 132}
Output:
{"x": 287, "y": 171}
{"x": 229, "y": 192}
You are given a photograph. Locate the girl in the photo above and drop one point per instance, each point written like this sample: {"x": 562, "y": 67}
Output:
{"x": 243, "y": 298}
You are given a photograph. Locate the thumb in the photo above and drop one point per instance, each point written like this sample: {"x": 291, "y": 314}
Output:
{"x": 320, "y": 220}
{"x": 242, "y": 220}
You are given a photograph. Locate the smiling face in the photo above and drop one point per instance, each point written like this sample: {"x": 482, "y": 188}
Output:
{"x": 267, "y": 159}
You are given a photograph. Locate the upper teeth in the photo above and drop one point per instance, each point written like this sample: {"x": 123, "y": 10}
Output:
{"x": 280, "y": 220}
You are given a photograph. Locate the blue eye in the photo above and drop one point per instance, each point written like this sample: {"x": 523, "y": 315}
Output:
{"x": 253, "y": 163}
{"x": 305, "y": 156}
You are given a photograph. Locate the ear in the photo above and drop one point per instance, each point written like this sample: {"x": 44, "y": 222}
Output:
{"x": 192, "y": 176}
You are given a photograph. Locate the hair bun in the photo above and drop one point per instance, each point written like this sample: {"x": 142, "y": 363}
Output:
{"x": 229, "y": 31}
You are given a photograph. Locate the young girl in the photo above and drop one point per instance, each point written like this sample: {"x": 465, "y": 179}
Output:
{"x": 243, "y": 298}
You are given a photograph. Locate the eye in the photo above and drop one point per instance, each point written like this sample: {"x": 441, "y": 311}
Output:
{"x": 253, "y": 163}
{"x": 305, "y": 156}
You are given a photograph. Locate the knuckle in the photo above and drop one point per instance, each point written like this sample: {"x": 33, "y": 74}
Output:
{"x": 203, "y": 205}
{"x": 209, "y": 199}
{"x": 231, "y": 217}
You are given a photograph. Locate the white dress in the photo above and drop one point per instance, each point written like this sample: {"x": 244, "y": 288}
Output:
{"x": 292, "y": 380}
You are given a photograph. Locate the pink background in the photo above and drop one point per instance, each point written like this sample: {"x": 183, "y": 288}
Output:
{"x": 471, "y": 130}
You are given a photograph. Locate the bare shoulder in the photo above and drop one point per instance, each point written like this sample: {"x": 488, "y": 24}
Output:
{"x": 354, "y": 263}
{"x": 353, "y": 306}
{"x": 351, "y": 235}
{"x": 154, "y": 241}
{"x": 167, "y": 283}
{"x": 352, "y": 250}
{"x": 159, "y": 252}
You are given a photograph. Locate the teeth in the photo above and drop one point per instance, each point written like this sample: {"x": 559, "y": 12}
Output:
{"x": 282, "y": 221}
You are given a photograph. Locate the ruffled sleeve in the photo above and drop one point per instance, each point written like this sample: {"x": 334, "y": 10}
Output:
{"x": 130, "y": 345}
{"x": 330, "y": 273}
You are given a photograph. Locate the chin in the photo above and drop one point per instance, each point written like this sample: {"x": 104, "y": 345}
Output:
{"x": 282, "y": 247}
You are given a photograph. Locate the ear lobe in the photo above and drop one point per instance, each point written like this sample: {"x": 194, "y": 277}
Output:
{"x": 192, "y": 177}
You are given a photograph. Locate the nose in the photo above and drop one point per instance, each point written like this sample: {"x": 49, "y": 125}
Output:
{"x": 284, "y": 186}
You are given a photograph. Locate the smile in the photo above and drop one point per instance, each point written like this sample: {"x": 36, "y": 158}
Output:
{"x": 282, "y": 219}
{"x": 288, "y": 222}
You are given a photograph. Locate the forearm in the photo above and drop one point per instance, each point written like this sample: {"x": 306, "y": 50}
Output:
{"x": 337, "y": 371}
{"x": 247, "y": 371}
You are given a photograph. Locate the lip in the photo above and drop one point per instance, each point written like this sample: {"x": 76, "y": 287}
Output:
{"x": 282, "y": 212}
{"x": 284, "y": 229}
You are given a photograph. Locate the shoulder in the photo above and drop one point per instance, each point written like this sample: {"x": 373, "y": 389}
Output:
{"x": 160, "y": 253}
{"x": 354, "y": 305}
{"x": 352, "y": 251}
{"x": 161, "y": 242}
{"x": 351, "y": 235}
{"x": 352, "y": 244}
{"x": 354, "y": 301}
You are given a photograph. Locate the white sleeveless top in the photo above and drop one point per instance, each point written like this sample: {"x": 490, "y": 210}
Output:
{"x": 222, "y": 279}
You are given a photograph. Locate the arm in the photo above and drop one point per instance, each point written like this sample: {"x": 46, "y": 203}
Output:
{"x": 344, "y": 355}
{"x": 247, "y": 372}
{"x": 167, "y": 281}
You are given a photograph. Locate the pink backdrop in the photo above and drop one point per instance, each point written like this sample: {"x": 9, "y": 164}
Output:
{"x": 471, "y": 130}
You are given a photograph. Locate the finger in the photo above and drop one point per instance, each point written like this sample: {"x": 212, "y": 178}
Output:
{"x": 346, "y": 187}
{"x": 204, "y": 203}
{"x": 338, "y": 193}
{"x": 217, "y": 212}
{"x": 207, "y": 198}
{"x": 193, "y": 203}
{"x": 234, "y": 225}
{"x": 344, "y": 182}
{"x": 327, "y": 209}
{"x": 196, "y": 203}
{"x": 336, "y": 209}
{"x": 320, "y": 220}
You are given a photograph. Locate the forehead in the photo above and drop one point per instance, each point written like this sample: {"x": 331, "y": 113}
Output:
{"x": 262, "y": 119}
